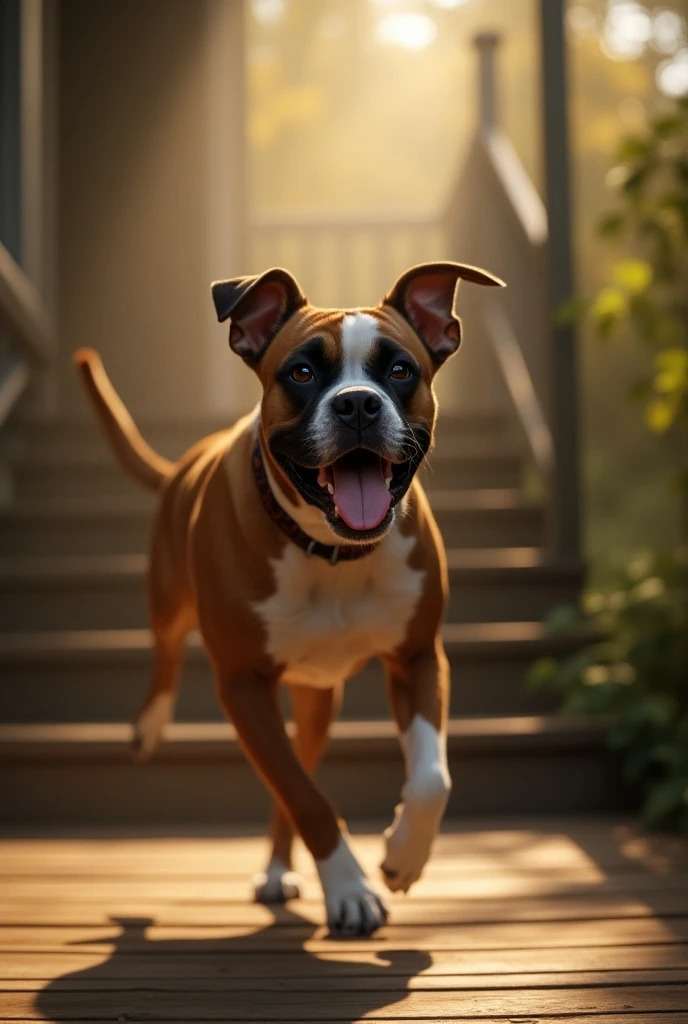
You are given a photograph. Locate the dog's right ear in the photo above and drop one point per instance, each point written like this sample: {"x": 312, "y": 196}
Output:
{"x": 258, "y": 307}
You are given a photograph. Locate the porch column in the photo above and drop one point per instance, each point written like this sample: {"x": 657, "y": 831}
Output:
{"x": 564, "y": 406}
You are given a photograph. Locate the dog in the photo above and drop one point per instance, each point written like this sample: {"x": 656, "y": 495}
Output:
{"x": 301, "y": 544}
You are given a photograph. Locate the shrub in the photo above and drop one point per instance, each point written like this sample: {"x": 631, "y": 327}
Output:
{"x": 635, "y": 673}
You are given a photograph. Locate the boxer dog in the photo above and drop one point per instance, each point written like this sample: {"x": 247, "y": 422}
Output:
{"x": 301, "y": 544}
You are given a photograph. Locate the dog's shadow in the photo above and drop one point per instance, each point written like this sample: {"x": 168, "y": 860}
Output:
{"x": 266, "y": 975}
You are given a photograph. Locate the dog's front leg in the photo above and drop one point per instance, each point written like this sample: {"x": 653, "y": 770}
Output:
{"x": 353, "y": 906}
{"x": 419, "y": 695}
{"x": 312, "y": 712}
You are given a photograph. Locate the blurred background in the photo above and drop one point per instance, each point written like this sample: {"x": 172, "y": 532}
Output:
{"x": 148, "y": 148}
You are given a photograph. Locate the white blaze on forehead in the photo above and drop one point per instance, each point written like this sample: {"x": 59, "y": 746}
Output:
{"x": 359, "y": 331}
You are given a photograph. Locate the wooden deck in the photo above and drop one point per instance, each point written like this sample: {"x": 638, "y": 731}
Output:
{"x": 565, "y": 921}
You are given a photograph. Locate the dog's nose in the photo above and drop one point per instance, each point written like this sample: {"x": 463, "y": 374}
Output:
{"x": 357, "y": 407}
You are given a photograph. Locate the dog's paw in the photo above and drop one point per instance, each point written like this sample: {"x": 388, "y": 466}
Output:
{"x": 150, "y": 725}
{"x": 353, "y": 905}
{"x": 276, "y": 885}
{"x": 358, "y": 910}
{"x": 408, "y": 842}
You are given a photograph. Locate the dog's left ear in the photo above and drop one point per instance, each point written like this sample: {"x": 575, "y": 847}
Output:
{"x": 258, "y": 307}
{"x": 424, "y": 295}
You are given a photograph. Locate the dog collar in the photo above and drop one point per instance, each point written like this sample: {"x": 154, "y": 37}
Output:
{"x": 332, "y": 553}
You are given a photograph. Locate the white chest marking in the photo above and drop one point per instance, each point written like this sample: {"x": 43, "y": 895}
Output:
{"x": 322, "y": 620}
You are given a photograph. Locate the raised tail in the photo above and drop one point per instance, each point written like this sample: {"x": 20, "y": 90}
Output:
{"x": 134, "y": 455}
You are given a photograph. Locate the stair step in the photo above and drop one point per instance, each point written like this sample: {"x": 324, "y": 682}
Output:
{"x": 102, "y": 675}
{"x": 108, "y": 526}
{"x": 488, "y": 517}
{"x": 73, "y": 773}
{"x": 508, "y": 583}
{"x": 108, "y": 592}
{"x": 81, "y": 436}
{"x": 68, "y": 475}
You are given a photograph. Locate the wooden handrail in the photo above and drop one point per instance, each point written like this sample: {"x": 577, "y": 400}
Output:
{"x": 520, "y": 386}
{"x": 523, "y": 196}
{"x": 22, "y": 312}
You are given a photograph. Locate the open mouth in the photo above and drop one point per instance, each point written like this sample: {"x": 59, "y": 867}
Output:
{"x": 359, "y": 488}
{"x": 356, "y": 492}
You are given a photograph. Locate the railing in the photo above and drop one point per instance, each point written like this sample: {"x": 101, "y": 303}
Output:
{"x": 520, "y": 387}
{"x": 518, "y": 325}
{"x": 25, "y": 328}
{"x": 345, "y": 259}
{"x": 497, "y": 206}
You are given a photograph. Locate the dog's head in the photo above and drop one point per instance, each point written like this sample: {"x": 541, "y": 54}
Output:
{"x": 348, "y": 407}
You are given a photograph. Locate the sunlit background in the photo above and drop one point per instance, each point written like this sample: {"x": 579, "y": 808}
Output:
{"x": 332, "y": 137}
{"x": 359, "y": 108}
{"x": 149, "y": 148}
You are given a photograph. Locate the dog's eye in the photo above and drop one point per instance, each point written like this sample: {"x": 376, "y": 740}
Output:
{"x": 401, "y": 371}
{"x": 302, "y": 374}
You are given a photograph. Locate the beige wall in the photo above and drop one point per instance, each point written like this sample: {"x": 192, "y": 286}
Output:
{"x": 151, "y": 199}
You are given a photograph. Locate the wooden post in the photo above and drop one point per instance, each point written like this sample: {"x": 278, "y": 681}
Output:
{"x": 486, "y": 43}
{"x": 564, "y": 411}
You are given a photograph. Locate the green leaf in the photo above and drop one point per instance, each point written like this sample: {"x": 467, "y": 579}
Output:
{"x": 635, "y": 179}
{"x": 668, "y": 125}
{"x": 611, "y": 225}
{"x": 635, "y": 276}
{"x": 609, "y": 305}
{"x": 632, "y": 147}
{"x": 665, "y": 798}
{"x": 570, "y": 311}
{"x": 562, "y": 617}
{"x": 659, "y": 415}
{"x": 542, "y": 673}
{"x": 658, "y": 710}
{"x": 672, "y": 371}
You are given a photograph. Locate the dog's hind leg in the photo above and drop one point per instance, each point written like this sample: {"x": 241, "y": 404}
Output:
{"x": 171, "y": 618}
{"x": 159, "y": 705}
{"x": 312, "y": 710}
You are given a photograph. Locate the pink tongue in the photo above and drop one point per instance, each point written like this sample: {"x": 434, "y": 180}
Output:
{"x": 361, "y": 495}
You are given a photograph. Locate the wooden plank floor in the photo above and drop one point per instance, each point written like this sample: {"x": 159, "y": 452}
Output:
{"x": 536, "y": 921}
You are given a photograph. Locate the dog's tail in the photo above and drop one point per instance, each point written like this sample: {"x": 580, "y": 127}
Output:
{"x": 134, "y": 455}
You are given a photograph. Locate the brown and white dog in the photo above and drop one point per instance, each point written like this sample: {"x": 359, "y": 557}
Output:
{"x": 301, "y": 544}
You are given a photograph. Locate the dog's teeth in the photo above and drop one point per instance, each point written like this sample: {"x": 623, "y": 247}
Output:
{"x": 330, "y": 488}
{"x": 336, "y": 512}
{"x": 388, "y": 481}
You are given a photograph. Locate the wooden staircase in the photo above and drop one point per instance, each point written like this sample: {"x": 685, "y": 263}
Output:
{"x": 75, "y": 653}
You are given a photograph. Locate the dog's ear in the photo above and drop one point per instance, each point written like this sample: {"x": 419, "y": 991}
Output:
{"x": 424, "y": 295}
{"x": 258, "y": 307}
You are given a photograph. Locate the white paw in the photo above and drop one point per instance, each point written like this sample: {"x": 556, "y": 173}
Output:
{"x": 408, "y": 842}
{"x": 149, "y": 726}
{"x": 409, "y": 839}
{"x": 276, "y": 885}
{"x": 353, "y": 905}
